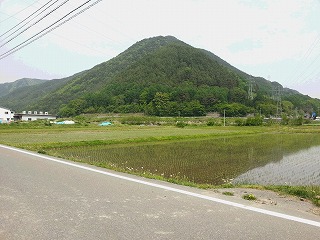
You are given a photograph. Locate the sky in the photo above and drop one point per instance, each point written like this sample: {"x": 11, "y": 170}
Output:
{"x": 278, "y": 40}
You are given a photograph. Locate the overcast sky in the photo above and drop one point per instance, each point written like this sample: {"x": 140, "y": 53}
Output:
{"x": 275, "y": 39}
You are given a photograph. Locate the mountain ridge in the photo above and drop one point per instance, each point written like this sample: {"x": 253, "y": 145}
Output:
{"x": 154, "y": 65}
{"x": 6, "y": 88}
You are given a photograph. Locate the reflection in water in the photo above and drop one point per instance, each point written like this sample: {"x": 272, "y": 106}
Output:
{"x": 212, "y": 161}
{"x": 302, "y": 168}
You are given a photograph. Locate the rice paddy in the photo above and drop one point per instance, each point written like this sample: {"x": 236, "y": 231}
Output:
{"x": 260, "y": 159}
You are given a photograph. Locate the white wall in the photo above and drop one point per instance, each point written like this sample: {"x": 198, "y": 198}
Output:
{"x": 31, "y": 117}
{"x": 6, "y": 115}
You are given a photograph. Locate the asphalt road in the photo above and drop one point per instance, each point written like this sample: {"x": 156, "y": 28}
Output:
{"x": 41, "y": 198}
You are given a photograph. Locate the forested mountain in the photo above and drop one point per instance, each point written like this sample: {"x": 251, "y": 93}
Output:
{"x": 161, "y": 76}
{"x": 6, "y": 88}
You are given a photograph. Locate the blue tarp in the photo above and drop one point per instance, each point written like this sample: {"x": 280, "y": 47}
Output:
{"x": 65, "y": 122}
{"x": 105, "y": 124}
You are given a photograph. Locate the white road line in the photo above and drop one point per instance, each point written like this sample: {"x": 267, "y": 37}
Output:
{"x": 233, "y": 204}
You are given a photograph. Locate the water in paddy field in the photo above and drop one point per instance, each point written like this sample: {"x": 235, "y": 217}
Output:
{"x": 292, "y": 159}
{"x": 301, "y": 168}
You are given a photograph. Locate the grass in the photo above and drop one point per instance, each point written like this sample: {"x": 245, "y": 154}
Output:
{"x": 306, "y": 192}
{"x": 228, "y": 193}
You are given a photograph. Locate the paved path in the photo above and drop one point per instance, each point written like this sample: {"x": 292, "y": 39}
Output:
{"x": 45, "y": 198}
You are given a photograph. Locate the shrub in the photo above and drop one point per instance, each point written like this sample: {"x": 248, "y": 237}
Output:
{"x": 211, "y": 123}
{"x": 254, "y": 121}
{"x": 240, "y": 122}
{"x": 297, "y": 121}
{"x": 249, "y": 197}
{"x": 181, "y": 124}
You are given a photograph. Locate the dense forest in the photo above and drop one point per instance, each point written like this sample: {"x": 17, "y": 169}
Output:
{"x": 163, "y": 76}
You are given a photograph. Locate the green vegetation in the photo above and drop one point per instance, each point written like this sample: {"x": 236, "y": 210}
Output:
{"x": 7, "y": 88}
{"x": 249, "y": 197}
{"x": 306, "y": 192}
{"x": 228, "y": 193}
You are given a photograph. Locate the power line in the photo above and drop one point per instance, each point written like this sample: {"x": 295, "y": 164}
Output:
{"x": 34, "y": 23}
{"x": 78, "y": 43}
{"x": 19, "y": 12}
{"x": 36, "y": 37}
{"x": 26, "y": 19}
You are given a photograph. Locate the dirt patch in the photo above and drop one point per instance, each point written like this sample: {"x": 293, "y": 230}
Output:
{"x": 266, "y": 197}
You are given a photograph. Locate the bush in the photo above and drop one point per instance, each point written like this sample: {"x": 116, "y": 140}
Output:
{"x": 297, "y": 121}
{"x": 211, "y": 123}
{"x": 254, "y": 121}
{"x": 240, "y": 122}
{"x": 181, "y": 124}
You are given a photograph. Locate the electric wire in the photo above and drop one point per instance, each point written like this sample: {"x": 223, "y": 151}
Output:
{"x": 300, "y": 72}
{"x": 19, "y": 11}
{"x": 34, "y": 23}
{"x": 26, "y": 19}
{"x": 43, "y": 33}
{"x": 84, "y": 28}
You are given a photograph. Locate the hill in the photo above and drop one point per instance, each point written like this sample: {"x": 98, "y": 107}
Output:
{"x": 7, "y": 88}
{"x": 160, "y": 76}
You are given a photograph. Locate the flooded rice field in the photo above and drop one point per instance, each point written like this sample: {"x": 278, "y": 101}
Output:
{"x": 265, "y": 159}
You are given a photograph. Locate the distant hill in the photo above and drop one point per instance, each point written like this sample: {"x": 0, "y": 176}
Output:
{"x": 6, "y": 88}
{"x": 160, "y": 76}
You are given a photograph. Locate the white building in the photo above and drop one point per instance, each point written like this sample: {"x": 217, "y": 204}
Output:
{"x": 32, "y": 116}
{"x": 6, "y": 115}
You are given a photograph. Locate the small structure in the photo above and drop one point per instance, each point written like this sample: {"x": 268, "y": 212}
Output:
{"x": 6, "y": 115}
{"x": 32, "y": 116}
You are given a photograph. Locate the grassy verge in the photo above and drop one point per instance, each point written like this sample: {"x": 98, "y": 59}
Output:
{"x": 311, "y": 193}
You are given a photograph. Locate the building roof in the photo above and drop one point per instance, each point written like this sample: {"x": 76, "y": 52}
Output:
{"x": 5, "y": 108}
{"x": 32, "y": 114}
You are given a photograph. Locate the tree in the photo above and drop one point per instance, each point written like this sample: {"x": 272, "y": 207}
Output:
{"x": 238, "y": 95}
{"x": 234, "y": 109}
{"x": 287, "y": 107}
{"x": 193, "y": 108}
{"x": 160, "y": 103}
{"x": 267, "y": 109}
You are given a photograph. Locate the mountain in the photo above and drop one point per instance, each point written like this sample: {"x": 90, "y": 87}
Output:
{"x": 7, "y": 88}
{"x": 159, "y": 76}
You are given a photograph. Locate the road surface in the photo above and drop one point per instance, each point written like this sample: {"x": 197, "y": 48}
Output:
{"x": 46, "y": 198}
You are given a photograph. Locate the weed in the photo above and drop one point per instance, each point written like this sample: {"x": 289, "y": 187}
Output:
{"x": 228, "y": 193}
{"x": 249, "y": 197}
{"x": 42, "y": 151}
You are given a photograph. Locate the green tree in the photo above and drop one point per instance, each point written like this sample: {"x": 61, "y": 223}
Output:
{"x": 238, "y": 95}
{"x": 160, "y": 102}
{"x": 193, "y": 108}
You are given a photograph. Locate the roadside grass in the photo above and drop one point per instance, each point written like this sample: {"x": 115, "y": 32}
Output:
{"x": 304, "y": 192}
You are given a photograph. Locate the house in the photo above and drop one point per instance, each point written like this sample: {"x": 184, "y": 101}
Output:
{"x": 32, "y": 116}
{"x": 6, "y": 115}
